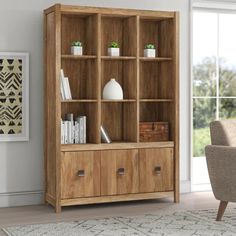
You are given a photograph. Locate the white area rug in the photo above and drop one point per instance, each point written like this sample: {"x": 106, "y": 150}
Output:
{"x": 179, "y": 223}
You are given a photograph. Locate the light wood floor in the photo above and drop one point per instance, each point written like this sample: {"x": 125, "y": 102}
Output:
{"x": 45, "y": 214}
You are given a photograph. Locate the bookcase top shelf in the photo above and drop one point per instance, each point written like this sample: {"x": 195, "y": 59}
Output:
{"x": 84, "y": 10}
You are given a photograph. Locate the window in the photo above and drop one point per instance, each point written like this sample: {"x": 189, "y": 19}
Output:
{"x": 214, "y": 79}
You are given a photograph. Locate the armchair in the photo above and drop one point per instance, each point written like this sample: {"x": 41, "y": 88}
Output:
{"x": 221, "y": 162}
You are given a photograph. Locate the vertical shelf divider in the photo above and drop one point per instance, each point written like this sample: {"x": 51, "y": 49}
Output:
{"x": 99, "y": 107}
{"x": 137, "y": 74}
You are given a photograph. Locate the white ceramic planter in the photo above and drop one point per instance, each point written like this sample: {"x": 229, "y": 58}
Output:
{"x": 75, "y": 50}
{"x": 114, "y": 52}
{"x": 112, "y": 91}
{"x": 149, "y": 52}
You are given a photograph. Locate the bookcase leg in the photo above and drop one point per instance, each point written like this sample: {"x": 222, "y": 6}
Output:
{"x": 176, "y": 197}
{"x": 58, "y": 208}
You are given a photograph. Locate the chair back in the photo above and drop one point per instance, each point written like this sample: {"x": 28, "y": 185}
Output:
{"x": 223, "y": 132}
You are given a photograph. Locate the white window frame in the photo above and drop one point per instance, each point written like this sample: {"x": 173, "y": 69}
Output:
{"x": 209, "y": 6}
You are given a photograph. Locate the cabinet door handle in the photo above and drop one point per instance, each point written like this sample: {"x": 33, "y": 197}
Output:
{"x": 81, "y": 173}
{"x": 157, "y": 170}
{"x": 121, "y": 171}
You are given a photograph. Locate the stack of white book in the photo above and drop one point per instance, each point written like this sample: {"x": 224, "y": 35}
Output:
{"x": 65, "y": 87}
{"x": 73, "y": 131}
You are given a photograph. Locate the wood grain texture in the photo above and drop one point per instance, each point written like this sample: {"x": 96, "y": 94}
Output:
{"x": 221, "y": 210}
{"x": 176, "y": 108}
{"x": 74, "y": 186}
{"x": 152, "y": 180}
{"x": 112, "y": 181}
{"x": 151, "y": 94}
{"x": 160, "y": 15}
{"x": 115, "y": 146}
{"x": 79, "y": 28}
{"x": 116, "y": 198}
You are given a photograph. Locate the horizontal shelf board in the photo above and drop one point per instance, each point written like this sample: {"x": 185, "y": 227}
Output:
{"x": 146, "y": 14}
{"x": 123, "y": 100}
{"x": 156, "y": 100}
{"x": 118, "y": 58}
{"x": 116, "y": 198}
{"x": 74, "y": 57}
{"x": 79, "y": 100}
{"x": 155, "y": 59}
{"x": 114, "y": 146}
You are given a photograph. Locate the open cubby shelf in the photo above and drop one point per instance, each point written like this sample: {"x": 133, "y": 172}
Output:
{"x": 147, "y": 83}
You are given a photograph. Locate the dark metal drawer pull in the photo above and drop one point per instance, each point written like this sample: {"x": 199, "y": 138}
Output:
{"x": 121, "y": 171}
{"x": 157, "y": 170}
{"x": 81, "y": 173}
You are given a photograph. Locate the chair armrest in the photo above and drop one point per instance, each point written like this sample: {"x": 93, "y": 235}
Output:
{"x": 221, "y": 163}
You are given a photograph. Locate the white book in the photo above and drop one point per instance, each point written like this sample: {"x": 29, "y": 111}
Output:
{"x": 81, "y": 129}
{"x": 62, "y": 92}
{"x": 63, "y": 85}
{"x": 76, "y": 132}
{"x": 84, "y": 123}
{"x": 62, "y": 132}
{"x": 67, "y": 86}
{"x": 69, "y": 132}
{"x": 66, "y": 132}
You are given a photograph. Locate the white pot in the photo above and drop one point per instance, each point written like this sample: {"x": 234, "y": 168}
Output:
{"x": 149, "y": 52}
{"x": 76, "y": 50}
{"x": 114, "y": 52}
{"x": 112, "y": 91}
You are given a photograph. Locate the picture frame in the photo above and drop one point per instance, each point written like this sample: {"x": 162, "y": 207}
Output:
{"x": 14, "y": 96}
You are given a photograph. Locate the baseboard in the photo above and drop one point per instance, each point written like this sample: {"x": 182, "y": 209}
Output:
{"x": 21, "y": 198}
{"x": 185, "y": 186}
{"x": 36, "y": 197}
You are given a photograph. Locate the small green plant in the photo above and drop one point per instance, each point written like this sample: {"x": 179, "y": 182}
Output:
{"x": 113, "y": 45}
{"x": 76, "y": 44}
{"x": 149, "y": 46}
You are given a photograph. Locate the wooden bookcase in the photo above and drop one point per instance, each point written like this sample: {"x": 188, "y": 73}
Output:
{"x": 126, "y": 169}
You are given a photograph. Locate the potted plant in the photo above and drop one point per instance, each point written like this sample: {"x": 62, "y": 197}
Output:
{"x": 149, "y": 50}
{"x": 76, "y": 48}
{"x": 113, "y": 49}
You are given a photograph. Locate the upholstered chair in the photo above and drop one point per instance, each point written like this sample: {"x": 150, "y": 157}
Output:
{"x": 221, "y": 162}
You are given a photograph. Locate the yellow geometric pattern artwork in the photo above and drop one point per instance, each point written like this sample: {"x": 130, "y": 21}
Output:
{"x": 10, "y": 96}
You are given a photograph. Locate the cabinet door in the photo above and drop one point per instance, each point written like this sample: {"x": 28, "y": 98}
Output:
{"x": 119, "y": 172}
{"x": 156, "y": 169}
{"x": 80, "y": 174}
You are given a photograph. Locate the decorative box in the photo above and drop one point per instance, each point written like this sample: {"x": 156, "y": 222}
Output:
{"x": 153, "y": 131}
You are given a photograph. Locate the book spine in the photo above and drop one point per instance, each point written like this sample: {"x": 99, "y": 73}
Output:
{"x": 84, "y": 123}
{"x": 63, "y": 85}
{"x": 67, "y": 86}
{"x": 66, "y": 132}
{"x": 76, "y": 132}
{"x": 81, "y": 133}
{"x": 62, "y": 132}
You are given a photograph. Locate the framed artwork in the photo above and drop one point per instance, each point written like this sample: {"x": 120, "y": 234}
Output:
{"x": 14, "y": 96}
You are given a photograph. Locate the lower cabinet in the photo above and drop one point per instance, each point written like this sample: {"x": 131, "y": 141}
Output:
{"x": 80, "y": 174}
{"x": 115, "y": 172}
{"x": 119, "y": 172}
{"x": 156, "y": 170}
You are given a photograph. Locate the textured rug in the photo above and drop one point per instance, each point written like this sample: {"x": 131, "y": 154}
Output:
{"x": 179, "y": 223}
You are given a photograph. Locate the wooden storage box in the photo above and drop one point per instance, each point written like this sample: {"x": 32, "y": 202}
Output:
{"x": 153, "y": 131}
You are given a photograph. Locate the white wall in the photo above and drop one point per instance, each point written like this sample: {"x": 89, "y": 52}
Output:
{"x": 21, "y": 29}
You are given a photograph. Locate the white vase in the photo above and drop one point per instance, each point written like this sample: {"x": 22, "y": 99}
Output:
{"x": 112, "y": 90}
{"x": 76, "y": 50}
{"x": 149, "y": 52}
{"x": 114, "y": 52}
